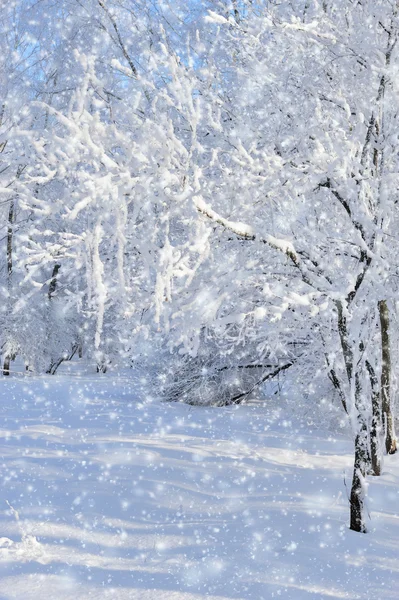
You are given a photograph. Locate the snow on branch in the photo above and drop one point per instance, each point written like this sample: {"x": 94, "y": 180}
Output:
{"x": 240, "y": 229}
{"x": 213, "y": 17}
{"x": 246, "y": 231}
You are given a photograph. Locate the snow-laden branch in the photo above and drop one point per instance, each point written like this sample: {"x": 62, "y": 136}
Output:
{"x": 246, "y": 232}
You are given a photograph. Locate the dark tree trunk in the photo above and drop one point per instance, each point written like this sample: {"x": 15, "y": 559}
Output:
{"x": 345, "y": 344}
{"x": 375, "y": 446}
{"x": 102, "y": 367}
{"x": 357, "y": 522}
{"x": 387, "y": 418}
{"x": 362, "y": 460}
{"x": 362, "y": 457}
{"x": 6, "y": 365}
{"x": 53, "y": 283}
{"x": 10, "y": 232}
{"x": 54, "y": 366}
{"x": 52, "y": 288}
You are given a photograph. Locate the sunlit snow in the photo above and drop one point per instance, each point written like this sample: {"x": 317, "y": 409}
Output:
{"x": 106, "y": 495}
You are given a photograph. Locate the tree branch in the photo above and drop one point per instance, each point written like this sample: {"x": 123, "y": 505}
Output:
{"x": 241, "y": 397}
{"x": 119, "y": 38}
{"x": 246, "y": 232}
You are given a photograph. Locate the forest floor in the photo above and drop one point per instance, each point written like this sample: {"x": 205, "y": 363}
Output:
{"x": 106, "y": 494}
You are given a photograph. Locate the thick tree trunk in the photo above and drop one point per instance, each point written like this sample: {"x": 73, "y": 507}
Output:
{"x": 387, "y": 418}
{"x": 357, "y": 518}
{"x": 375, "y": 430}
{"x": 357, "y": 521}
{"x": 362, "y": 456}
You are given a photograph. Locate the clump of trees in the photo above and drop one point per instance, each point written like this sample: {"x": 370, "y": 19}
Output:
{"x": 221, "y": 178}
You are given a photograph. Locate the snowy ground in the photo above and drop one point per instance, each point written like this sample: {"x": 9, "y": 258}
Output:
{"x": 105, "y": 495}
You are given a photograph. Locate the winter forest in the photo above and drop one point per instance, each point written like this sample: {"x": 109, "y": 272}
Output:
{"x": 199, "y": 282}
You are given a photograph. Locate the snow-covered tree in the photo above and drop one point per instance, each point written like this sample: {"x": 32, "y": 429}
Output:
{"x": 218, "y": 179}
{"x": 304, "y": 165}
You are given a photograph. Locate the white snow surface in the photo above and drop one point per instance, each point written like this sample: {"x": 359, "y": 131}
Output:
{"x": 110, "y": 494}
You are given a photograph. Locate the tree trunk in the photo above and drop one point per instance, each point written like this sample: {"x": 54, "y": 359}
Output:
{"x": 357, "y": 520}
{"x": 57, "y": 363}
{"x": 387, "y": 418}
{"x": 10, "y": 231}
{"x": 362, "y": 456}
{"x": 53, "y": 283}
{"x": 343, "y": 336}
{"x": 6, "y": 365}
{"x": 52, "y": 288}
{"x": 102, "y": 367}
{"x": 54, "y": 366}
{"x": 375, "y": 446}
